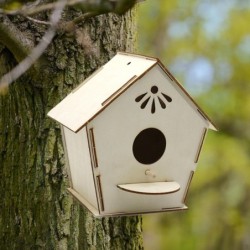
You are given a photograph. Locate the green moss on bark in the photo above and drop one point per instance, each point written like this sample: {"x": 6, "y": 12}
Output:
{"x": 36, "y": 210}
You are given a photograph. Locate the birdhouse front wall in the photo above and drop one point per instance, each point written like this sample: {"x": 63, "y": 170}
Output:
{"x": 154, "y": 106}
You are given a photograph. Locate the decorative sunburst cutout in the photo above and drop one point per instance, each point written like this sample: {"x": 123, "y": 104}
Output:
{"x": 154, "y": 95}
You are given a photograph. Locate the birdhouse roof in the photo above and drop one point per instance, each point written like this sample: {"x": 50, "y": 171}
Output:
{"x": 105, "y": 85}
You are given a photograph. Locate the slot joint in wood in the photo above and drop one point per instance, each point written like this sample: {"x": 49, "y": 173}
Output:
{"x": 201, "y": 113}
{"x": 200, "y": 145}
{"x": 93, "y": 147}
{"x": 99, "y": 188}
{"x": 119, "y": 91}
{"x": 188, "y": 185}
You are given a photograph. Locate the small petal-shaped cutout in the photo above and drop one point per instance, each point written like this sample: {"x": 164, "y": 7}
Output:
{"x": 168, "y": 98}
{"x": 163, "y": 105}
{"x": 153, "y": 107}
{"x": 139, "y": 98}
{"x": 143, "y": 105}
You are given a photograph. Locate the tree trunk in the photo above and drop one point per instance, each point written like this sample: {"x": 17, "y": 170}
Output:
{"x": 36, "y": 210}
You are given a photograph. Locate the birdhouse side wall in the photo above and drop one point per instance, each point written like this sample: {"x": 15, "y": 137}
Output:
{"x": 80, "y": 164}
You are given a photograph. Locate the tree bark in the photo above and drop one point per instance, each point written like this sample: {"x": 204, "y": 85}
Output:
{"x": 36, "y": 210}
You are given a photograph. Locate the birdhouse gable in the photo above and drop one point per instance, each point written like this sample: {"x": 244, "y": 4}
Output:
{"x": 188, "y": 98}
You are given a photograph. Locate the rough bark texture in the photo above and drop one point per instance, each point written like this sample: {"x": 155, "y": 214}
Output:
{"x": 36, "y": 210}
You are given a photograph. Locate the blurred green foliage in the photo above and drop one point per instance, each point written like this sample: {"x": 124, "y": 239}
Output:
{"x": 206, "y": 45}
{"x": 11, "y": 5}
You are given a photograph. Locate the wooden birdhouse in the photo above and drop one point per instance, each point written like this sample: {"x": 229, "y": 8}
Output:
{"x": 132, "y": 138}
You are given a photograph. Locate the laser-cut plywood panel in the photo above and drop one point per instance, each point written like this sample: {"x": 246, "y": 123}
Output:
{"x": 133, "y": 138}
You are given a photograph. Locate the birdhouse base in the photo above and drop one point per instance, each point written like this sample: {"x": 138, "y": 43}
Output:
{"x": 97, "y": 214}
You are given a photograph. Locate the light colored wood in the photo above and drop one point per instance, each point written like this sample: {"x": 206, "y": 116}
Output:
{"x": 101, "y": 120}
{"x": 119, "y": 91}
{"x": 81, "y": 105}
{"x": 91, "y": 139}
{"x": 80, "y": 165}
{"x": 173, "y": 209}
{"x": 87, "y": 99}
{"x": 99, "y": 189}
{"x": 152, "y": 188}
{"x": 118, "y": 125}
{"x": 187, "y": 187}
{"x": 200, "y": 145}
{"x": 211, "y": 125}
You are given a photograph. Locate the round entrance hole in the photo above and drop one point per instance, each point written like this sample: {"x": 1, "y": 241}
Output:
{"x": 149, "y": 146}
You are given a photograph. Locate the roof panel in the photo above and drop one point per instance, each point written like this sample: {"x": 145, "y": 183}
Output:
{"x": 83, "y": 103}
